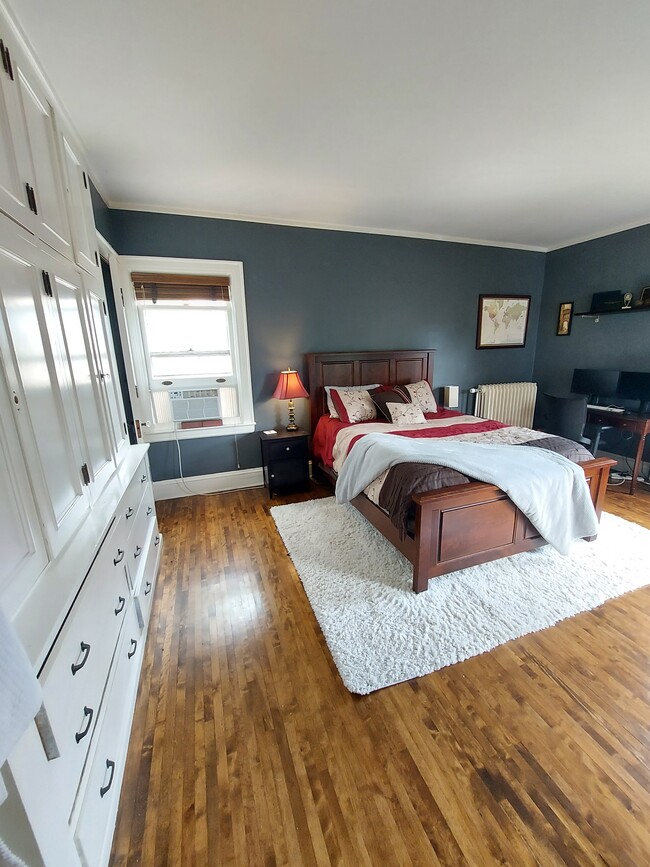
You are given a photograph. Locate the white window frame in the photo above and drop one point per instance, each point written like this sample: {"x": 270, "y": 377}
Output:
{"x": 139, "y": 384}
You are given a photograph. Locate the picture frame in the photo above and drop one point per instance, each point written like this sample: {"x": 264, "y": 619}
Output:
{"x": 502, "y": 321}
{"x": 564, "y": 319}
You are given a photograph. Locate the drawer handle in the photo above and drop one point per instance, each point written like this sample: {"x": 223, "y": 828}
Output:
{"x": 149, "y": 510}
{"x": 134, "y": 647}
{"x": 137, "y": 552}
{"x": 88, "y": 715}
{"x": 85, "y": 652}
{"x": 147, "y": 588}
{"x": 110, "y": 766}
{"x": 143, "y": 478}
{"x": 128, "y": 513}
{"x": 119, "y": 558}
{"x": 120, "y": 605}
{"x": 157, "y": 542}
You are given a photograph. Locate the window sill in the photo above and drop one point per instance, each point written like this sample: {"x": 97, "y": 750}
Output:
{"x": 149, "y": 436}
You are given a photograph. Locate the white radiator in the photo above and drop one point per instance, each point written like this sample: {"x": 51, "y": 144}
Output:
{"x": 509, "y": 402}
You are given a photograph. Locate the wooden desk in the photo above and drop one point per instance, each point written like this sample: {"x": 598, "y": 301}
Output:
{"x": 638, "y": 424}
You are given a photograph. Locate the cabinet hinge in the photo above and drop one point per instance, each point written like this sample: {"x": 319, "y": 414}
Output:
{"x": 104, "y": 306}
{"x": 85, "y": 180}
{"x": 125, "y": 428}
{"x": 96, "y": 259}
{"x": 137, "y": 393}
{"x": 85, "y": 474}
{"x": 6, "y": 60}
{"x": 47, "y": 284}
{"x": 122, "y": 295}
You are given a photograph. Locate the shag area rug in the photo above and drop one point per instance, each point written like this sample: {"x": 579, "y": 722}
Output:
{"x": 380, "y": 633}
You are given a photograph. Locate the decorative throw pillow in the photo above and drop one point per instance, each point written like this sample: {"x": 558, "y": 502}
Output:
{"x": 353, "y": 405}
{"x": 405, "y": 413}
{"x": 330, "y": 403}
{"x": 419, "y": 393}
{"x": 381, "y": 398}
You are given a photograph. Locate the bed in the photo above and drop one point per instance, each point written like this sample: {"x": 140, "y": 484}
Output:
{"x": 453, "y": 527}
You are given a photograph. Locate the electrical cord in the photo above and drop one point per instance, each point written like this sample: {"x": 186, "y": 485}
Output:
{"x": 183, "y": 481}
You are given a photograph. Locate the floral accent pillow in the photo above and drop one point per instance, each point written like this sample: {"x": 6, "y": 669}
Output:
{"x": 330, "y": 403}
{"x": 353, "y": 405}
{"x": 405, "y": 413}
{"x": 420, "y": 394}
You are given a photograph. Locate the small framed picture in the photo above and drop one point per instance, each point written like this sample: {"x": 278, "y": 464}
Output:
{"x": 644, "y": 300}
{"x": 564, "y": 319}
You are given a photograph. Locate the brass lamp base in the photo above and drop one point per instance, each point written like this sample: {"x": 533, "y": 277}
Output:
{"x": 292, "y": 416}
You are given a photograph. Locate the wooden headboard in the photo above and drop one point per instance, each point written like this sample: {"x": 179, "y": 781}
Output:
{"x": 389, "y": 367}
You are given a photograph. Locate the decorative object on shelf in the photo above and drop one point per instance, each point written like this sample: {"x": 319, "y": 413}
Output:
{"x": 644, "y": 300}
{"x": 288, "y": 388}
{"x": 627, "y": 301}
{"x": 451, "y": 396}
{"x": 606, "y": 302}
{"x": 564, "y": 319}
{"x": 502, "y": 321}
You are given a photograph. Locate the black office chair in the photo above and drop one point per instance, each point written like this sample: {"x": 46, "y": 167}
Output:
{"x": 565, "y": 416}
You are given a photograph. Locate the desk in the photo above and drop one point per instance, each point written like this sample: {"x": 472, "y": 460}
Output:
{"x": 638, "y": 424}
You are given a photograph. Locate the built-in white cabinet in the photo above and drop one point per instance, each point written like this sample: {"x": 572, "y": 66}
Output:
{"x": 31, "y": 184}
{"x": 84, "y": 236}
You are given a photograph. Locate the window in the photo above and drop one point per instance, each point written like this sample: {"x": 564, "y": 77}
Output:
{"x": 187, "y": 328}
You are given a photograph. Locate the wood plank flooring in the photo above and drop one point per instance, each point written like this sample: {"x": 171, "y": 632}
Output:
{"x": 247, "y": 750}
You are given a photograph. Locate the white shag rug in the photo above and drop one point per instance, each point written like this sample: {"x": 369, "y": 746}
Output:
{"x": 380, "y": 633}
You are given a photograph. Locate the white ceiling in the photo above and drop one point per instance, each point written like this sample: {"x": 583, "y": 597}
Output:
{"x": 517, "y": 122}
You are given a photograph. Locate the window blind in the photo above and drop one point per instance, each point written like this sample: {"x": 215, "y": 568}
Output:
{"x": 180, "y": 287}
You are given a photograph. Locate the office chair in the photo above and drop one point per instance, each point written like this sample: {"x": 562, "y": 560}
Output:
{"x": 565, "y": 417}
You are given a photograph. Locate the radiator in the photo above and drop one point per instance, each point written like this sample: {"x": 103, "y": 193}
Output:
{"x": 509, "y": 402}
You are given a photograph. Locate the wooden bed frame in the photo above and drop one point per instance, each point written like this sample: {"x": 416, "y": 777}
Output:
{"x": 455, "y": 527}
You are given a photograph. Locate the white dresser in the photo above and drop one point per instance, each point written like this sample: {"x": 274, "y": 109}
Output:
{"x": 79, "y": 539}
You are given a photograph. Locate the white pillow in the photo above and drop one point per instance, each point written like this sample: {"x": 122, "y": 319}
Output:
{"x": 405, "y": 413}
{"x": 330, "y": 403}
{"x": 420, "y": 394}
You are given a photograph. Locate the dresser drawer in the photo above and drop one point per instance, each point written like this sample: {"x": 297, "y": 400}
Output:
{"x": 75, "y": 674}
{"x": 144, "y": 592}
{"x": 140, "y": 535}
{"x": 100, "y": 796}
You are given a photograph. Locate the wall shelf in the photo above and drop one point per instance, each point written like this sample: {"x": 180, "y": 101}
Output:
{"x": 596, "y": 316}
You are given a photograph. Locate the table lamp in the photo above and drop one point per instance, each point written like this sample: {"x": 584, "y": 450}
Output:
{"x": 289, "y": 387}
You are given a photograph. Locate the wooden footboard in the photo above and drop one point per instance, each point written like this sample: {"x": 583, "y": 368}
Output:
{"x": 469, "y": 524}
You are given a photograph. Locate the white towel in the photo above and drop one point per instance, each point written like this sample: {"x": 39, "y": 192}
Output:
{"x": 20, "y": 693}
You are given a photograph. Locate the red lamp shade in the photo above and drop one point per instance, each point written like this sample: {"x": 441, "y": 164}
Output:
{"x": 290, "y": 386}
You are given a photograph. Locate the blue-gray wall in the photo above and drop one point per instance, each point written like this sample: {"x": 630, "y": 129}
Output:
{"x": 621, "y": 341}
{"x": 310, "y": 290}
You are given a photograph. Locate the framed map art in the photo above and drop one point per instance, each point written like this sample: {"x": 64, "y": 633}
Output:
{"x": 502, "y": 321}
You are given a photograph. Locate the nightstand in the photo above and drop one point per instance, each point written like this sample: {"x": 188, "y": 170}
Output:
{"x": 285, "y": 461}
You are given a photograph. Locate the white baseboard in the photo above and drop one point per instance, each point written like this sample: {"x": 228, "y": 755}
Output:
{"x": 170, "y": 489}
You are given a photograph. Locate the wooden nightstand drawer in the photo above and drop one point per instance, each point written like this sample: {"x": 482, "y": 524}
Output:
{"x": 286, "y": 449}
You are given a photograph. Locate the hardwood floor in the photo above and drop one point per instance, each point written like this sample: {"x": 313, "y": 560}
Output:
{"x": 247, "y": 750}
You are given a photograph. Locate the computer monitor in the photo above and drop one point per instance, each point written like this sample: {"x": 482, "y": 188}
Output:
{"x": 595, "y": 383}
{"x": 635, "y": 386}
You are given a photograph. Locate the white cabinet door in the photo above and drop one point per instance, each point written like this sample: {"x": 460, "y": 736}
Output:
{"x": 86, "y": 377}
{"x": 107, "y": 367}
{"x": 46, "y": 417}
{"x": 51, "y": 218}
{"x": 82, "y": 222}
{"x": 15, "y": 168}
{"x": 21, "y": 542}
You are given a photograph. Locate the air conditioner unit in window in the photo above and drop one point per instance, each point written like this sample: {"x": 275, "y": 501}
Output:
{"x": 195, "y": 404}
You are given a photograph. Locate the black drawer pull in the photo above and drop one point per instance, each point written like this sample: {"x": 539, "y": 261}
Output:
{"x": 120, "y": 605}
{"x": 157, "y": 542}
{"x": 147, "y": 588}
{"x": 110, "y": 766}
{"x": 119, "y": 558}
{"x": 149, "y": 510}
{"x": 143, "y": 478}
{"x": 85, "y": 652}
{"x": 137, "y": 552}
{"x": 128, "y": 513}
{"x": 134, "y": 647}
{"x": 88, "y": 715}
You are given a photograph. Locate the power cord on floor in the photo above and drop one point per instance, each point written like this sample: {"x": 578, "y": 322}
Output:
{"x": 183, "y": 481}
